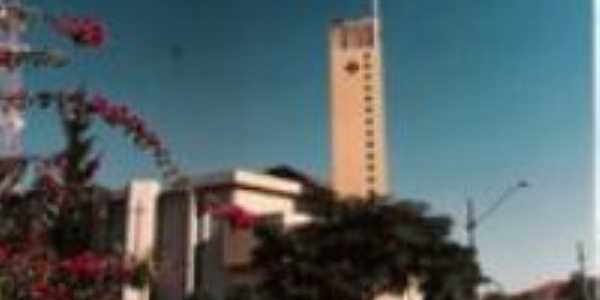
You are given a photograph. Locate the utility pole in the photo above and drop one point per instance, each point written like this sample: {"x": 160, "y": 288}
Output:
{"x": 474, "y": 220}
{"x": 471, "y": 223}
{"x": 581, "y": 260}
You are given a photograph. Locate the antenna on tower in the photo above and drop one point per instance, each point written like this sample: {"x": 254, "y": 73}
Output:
{"x": 375, "y": 14}
{"x": 375, "y": 8}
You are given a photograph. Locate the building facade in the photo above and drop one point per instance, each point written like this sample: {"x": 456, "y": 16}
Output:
{"x": 358, "y": 142}
{"x": 196, "y": 253}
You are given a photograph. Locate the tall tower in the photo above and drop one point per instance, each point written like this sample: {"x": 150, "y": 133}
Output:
{"x": 358, "y": 142}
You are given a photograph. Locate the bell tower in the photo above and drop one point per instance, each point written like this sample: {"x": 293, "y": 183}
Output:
{"x": 357, "y": 115}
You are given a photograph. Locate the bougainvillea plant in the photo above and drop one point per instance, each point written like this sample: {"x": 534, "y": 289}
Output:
{"x": 46, "y": 249}
{"x": 235, "y": 216}
{"x": 83, "y": 31}
{"x": 48, "y": 246}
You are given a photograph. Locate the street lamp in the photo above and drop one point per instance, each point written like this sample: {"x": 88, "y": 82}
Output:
{"x": 474, "y": 221}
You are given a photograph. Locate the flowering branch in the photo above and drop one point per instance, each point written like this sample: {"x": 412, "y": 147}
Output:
{"x": 237, "y": 217}
{"x": 13, "y": 59}
{"x": 115, "y": 115}
{"x": 82, "y": 31}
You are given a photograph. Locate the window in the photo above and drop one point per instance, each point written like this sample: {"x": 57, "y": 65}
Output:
{"x": 370, "y": 156}
{"x": 371, "y": 167}
{"x": 369, "y": 133}
{"x": 368, "y": 98}
{"x": 368, "y": 87}
{"x": 367, "y": 55}
{"x": 369, "y": 121}
{"x": 371, "y": 180}
{"x": 352, "y": 67}
{"x": 370, "y": 144}
{"x": 368, "y": 109}
{"x": 367, "y": 76}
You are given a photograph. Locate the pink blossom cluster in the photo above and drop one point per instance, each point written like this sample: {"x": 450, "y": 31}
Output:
{"x": 237, "y": 217}
{"x": 42, "y": 290}
{"x": 12, "y": 59}
{"x": 81, "y": 30}
{"x": 52, "y": 279}
{"x": 116, "y": 115}
{"x": 5, "y": 252}
{"x": 120, "y": 115}
{"x": 9, "y": 59}
{"x": 89, "y": 266}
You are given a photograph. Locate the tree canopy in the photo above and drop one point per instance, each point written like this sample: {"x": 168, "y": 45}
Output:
{"x": 361, "y": 249}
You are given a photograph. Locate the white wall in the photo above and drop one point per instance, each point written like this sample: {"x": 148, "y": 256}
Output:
{"x": 140, "y": 227}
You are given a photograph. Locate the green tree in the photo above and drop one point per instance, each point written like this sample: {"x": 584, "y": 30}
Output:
{"x": 357, "y": 250}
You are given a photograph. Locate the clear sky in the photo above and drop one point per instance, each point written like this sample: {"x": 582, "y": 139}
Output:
{"x": 480, "y": 94}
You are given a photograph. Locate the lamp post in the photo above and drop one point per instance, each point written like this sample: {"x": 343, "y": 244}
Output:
{"x": 473, "y": 221}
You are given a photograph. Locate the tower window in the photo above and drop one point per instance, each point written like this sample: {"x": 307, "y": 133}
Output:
{"x": 368, "y": 98}
{"x": 352, "y": 67}
{"x": 369, "y": 133}
{"x": 371, "y": 180}
{"x": 368, "y": 109}
{"x": 371, "y": 167}
{"x": 367, "y": 55}
{"x": 368, "y": 76}
{"x": 368, "y": 87}
{"x": 369, "y": 121}
{"x": 370, "y": 156}
{"x": 370, "y": 144}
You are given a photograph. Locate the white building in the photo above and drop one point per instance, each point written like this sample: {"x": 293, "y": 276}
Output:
{"x": 196, "y": 254}
{"x": 205, "y": 254}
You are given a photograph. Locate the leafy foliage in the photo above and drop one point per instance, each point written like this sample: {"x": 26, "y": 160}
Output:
{"x": 359, "y": 249}
{"x": 47, "y": 230}
{"x": 46, "y": 238}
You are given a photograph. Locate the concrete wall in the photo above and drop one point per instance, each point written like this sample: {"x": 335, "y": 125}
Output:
{"x": 176, "y": 241}
{"x": 227, "y": 253}
{"x": 140, "y": 234}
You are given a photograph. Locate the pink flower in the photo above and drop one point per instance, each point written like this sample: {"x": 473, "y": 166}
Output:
{"x": 4, "y": 253}
{"x": 86, "y": 266}
{"x": 7, "y": 59}
{"x": 43, "y": 291}
{"x": 236, "y": 216}
{"x": 82, "y": 31}
{"x": 99, "y": 104}
{"x": 40, "y": 290}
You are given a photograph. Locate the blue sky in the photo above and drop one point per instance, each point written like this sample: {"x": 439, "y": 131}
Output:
{"x": 480, "y": 94}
